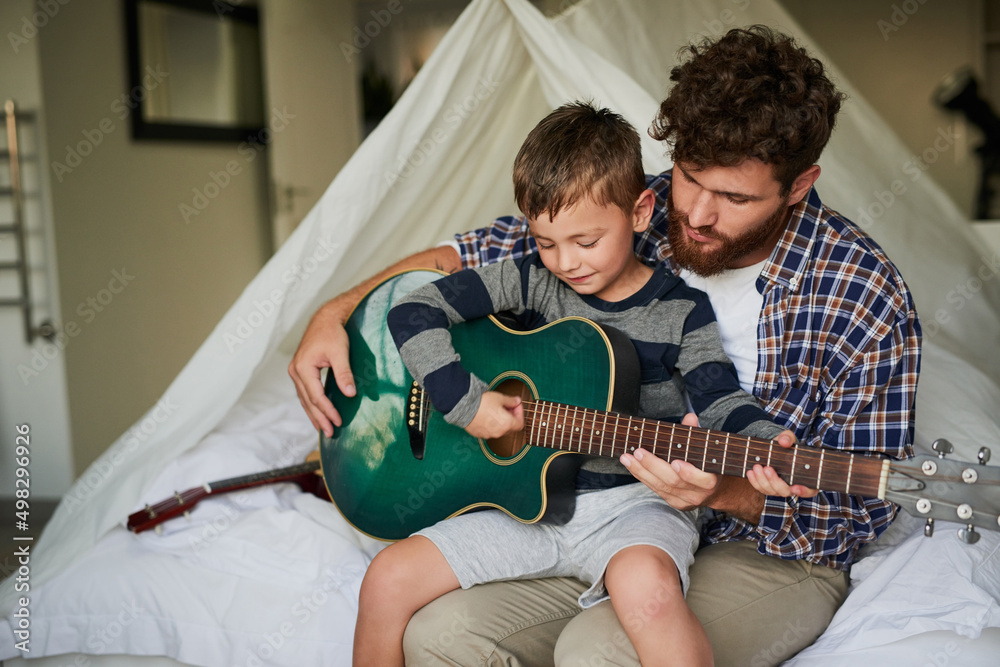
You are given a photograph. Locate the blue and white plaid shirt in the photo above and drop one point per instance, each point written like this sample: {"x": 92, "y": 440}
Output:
{"x": 838, "y": 354}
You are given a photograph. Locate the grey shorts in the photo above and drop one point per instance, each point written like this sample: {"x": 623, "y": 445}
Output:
{"x": 491, "y": 545}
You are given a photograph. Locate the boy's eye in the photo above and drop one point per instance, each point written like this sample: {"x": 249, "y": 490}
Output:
{"x": 589, "y": 245}
{"x": 542, "y": 246}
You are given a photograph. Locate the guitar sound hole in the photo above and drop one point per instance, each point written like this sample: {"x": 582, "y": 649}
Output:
{"x": 510, "y": 444}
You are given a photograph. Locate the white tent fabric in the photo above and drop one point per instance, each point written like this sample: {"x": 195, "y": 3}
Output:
{"x": 440, "y": 163}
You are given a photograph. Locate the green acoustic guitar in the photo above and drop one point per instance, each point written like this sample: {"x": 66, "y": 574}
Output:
{"x": 395, "y": 466}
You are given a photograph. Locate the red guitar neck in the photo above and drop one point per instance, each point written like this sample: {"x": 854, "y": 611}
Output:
{"x": 182, "y": 502}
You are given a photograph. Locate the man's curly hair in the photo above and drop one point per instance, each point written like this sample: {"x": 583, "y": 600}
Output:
{"x": 753, "y": 93}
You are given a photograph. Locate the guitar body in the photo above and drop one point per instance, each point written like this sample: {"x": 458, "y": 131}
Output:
{"x": 390, "y": 478}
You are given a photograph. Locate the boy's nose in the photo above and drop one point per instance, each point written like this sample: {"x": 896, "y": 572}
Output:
{"x": 568, "y": 261}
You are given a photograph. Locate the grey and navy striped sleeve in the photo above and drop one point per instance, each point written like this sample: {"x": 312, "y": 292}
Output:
{"x": 710, "y": 378}
{"x": 419, "y": 325}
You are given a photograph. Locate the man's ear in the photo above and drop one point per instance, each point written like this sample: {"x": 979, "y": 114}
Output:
{"x": 802, "y": 183}
{"x": 642, "y": 212}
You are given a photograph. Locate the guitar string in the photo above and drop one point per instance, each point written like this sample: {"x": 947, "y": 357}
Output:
{"x": 705, "y": 437}
{"x": 715, "y": 448}
{"x": 864, "y": 470}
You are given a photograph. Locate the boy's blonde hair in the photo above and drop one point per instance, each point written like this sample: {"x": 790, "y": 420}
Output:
{"x": 579, "y": 151}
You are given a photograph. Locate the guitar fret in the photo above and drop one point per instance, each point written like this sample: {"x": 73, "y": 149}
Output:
{"x": 770, "y": 451}
{"x": 562, "y": 427}
{"x": 618, "y": 420}
{"x": 746, "y": 456}
{"x": 642, "y": 429}
{"x": 604, "y": 432}
{"x": 819, "y": 473}
{"x": 547, "y": 424}
{"x": 687, "y": 447}
{"x": 791, "y": 475}
{"x": 850, "y": 467}
{"x": 566, "y": 430}
{"x": 622, "y": 438}
{"x": 725, "y": 453}
{"x": 704, "y": 452}
{"x": 590, "y": 444}
{"x": 656, "y": 436}
{"x": 531, "y": 434}
{"x": 577, "y": 430}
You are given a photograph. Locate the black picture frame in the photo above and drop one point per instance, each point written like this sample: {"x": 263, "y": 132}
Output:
{"x": 146, "y": 129}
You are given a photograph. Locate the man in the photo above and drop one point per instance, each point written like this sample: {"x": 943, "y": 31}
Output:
{"x": 821, "y": 328}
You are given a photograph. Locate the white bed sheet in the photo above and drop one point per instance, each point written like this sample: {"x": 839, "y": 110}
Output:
{"x": 270, "y": 576}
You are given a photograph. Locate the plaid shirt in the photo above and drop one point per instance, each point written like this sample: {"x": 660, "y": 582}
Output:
{"x": 838, "y": 353}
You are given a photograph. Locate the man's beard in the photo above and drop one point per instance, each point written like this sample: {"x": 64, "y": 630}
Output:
{"x": 691, "y": 254}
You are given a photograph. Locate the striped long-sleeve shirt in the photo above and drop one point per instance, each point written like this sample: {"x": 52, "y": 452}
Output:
{"x": 671, "y": 325}
{"x": 838, "y": 349}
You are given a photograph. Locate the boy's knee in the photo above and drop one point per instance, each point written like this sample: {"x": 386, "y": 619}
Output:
{"x": 644, "y": 586}
{"x": 647, "y": 570}
{"x": 385, "y": 573}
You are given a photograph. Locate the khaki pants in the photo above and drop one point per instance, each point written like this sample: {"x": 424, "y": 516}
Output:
{"x": 757, "y": 611}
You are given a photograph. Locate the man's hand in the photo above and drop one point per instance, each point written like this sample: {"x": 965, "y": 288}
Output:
{"x": 324, "y": 345}
{"x": 498, "y": 415}
{"x": 765, "y": 479}
{"x": 681, "y": 484}
{"x": 686, "y": 487}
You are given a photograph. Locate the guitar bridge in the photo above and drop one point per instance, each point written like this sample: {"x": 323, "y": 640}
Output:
{"x": 417, "y": 414}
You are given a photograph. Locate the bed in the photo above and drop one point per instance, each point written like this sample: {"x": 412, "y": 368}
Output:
{"x": 270, "y": 576}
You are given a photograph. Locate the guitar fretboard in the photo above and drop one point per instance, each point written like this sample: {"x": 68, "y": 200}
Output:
{"x": 599, "y": 433}
{"x": 270, "y": 476}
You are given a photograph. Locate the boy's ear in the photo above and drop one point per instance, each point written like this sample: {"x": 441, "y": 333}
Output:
{"x": 642, "y": 212}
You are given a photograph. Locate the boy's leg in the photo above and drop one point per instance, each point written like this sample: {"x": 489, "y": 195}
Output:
{"x": 401, "y": 579}
{"x": 756, "y": 610}
{"x": 647, "y": 597}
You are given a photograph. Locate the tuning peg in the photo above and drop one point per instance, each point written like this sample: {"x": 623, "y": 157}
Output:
{"x": 187, "y": 515}
{"x": 929, "y": 528}
{"x": 968, "y": 534}
{"x": 984, "y": 455}
{"x": 942, "y": 447}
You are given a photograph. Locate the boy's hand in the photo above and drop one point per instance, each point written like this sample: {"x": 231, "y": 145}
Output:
{"x": 766, "y": 480}
{"x": 498, "y": 415}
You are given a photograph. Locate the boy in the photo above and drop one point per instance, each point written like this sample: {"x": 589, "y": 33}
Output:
{"x": 579, "y": 180}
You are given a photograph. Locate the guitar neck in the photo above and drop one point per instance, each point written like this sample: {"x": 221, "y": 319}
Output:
{"x": 599, "y": 433}
{"x": 260, "y": 478}
{"x": 183, "y": 501}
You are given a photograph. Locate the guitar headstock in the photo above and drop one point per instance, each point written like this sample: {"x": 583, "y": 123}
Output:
{"x": 933, "y": 487}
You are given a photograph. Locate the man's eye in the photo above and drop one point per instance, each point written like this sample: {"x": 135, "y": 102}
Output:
{"x": 738, "y": 202}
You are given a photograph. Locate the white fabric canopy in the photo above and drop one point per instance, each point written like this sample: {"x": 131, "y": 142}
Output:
{"x": 440, "y": 163}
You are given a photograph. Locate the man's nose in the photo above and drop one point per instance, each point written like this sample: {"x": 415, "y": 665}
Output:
{"x": 703, "y": 211}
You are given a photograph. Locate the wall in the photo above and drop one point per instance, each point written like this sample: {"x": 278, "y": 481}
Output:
{"x": 895, "y": 53}
{"x": 140, "y": 285}
{"x": 33, "y": 381}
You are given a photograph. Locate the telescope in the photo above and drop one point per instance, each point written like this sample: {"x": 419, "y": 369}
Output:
{"x": 959, "y": 91}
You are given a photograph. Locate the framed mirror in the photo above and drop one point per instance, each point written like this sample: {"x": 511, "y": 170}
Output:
{"x": 194, "y": 70}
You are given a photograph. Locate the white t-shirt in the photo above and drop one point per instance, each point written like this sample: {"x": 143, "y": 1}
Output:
{"x": 737, "y": 307}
